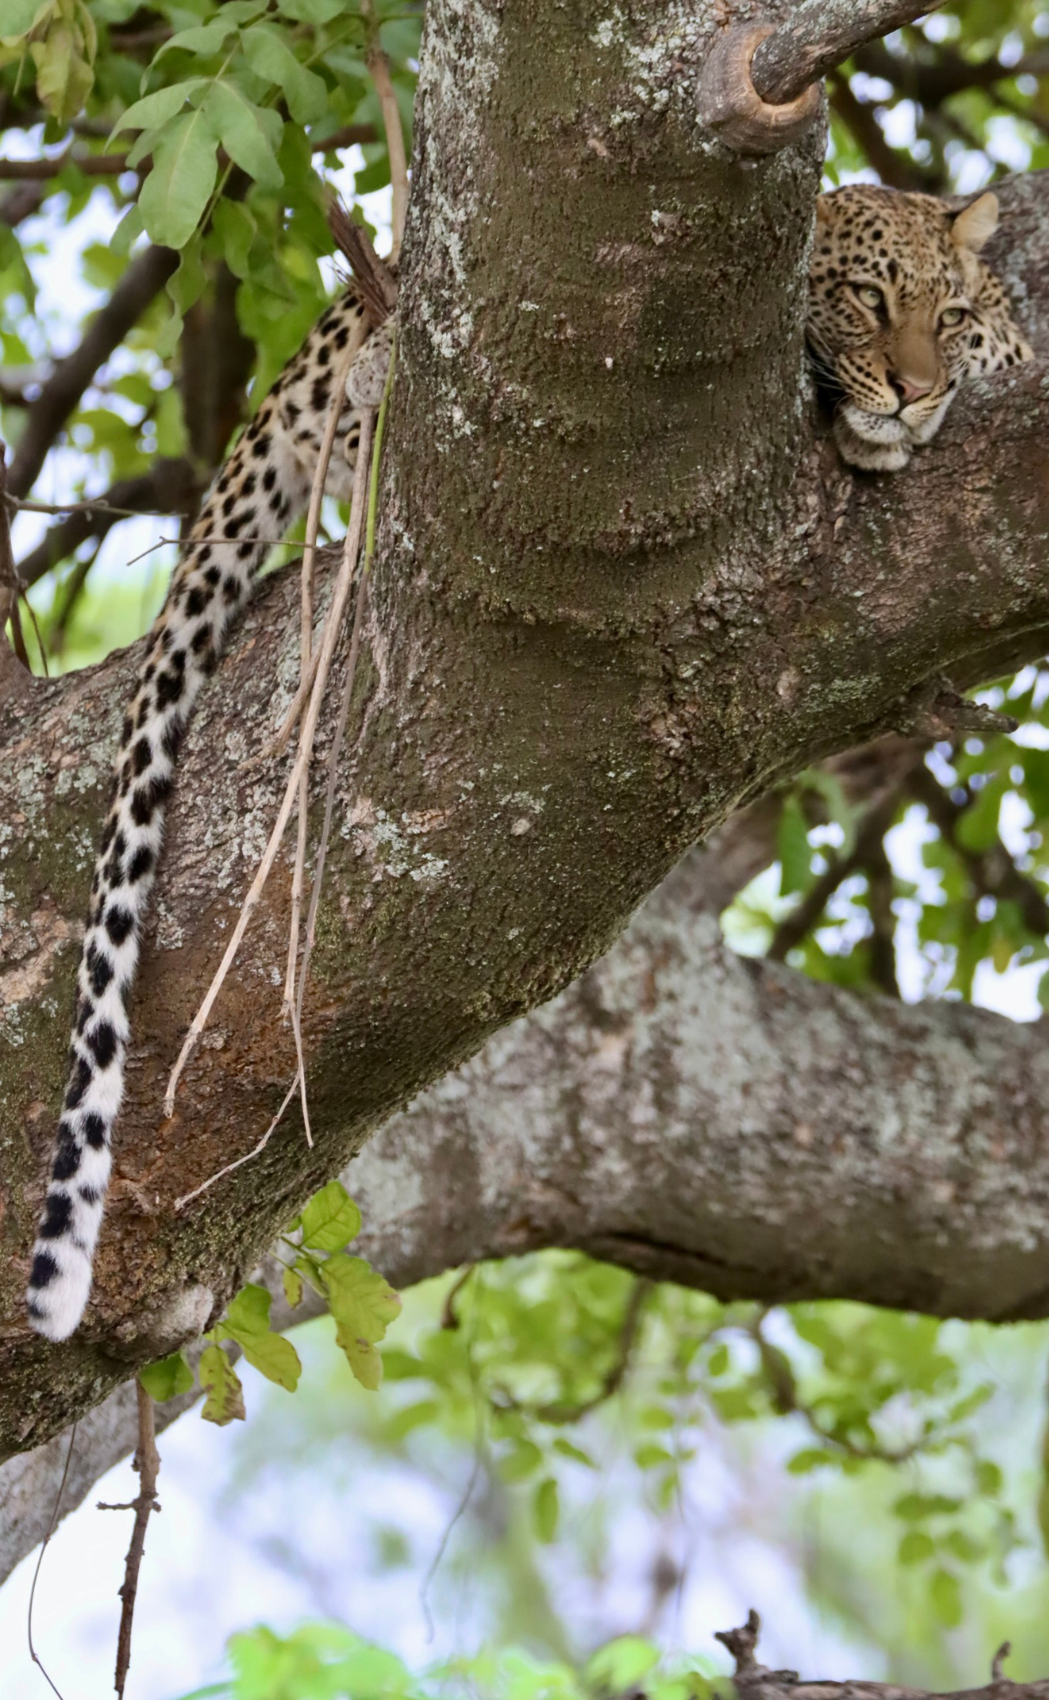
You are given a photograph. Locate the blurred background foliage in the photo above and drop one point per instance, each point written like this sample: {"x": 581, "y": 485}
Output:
{"x": 166, "y": 163}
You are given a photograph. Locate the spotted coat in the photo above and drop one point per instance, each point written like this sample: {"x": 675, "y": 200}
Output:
{"x": 262, "y": 488}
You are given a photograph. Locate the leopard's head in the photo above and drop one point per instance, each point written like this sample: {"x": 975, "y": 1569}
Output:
{"x": 901, "y": 310}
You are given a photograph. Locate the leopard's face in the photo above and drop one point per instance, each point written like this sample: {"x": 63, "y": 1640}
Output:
{"x": 901, "y": 311}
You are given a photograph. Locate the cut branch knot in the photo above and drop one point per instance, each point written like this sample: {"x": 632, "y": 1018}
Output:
{"x": 936, "y": 710}
{"x": 730, "y": 105}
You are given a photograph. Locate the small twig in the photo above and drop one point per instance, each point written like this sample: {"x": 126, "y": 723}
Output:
{"x": 86, "y": 507}
{"x": 788, "y": 1402}
{"x": 187, "y": 1198}
{"x": 40, "y": 1559}
{"x": 992, "y": 871}
{"x": 332, "y": 629}
{"x": 449, "y": 1314}
{"x": 279, "y": 742}
{"x": 309, "y": 553}
{"x": 9, "y": 585}
{"x": 147, "y": 1464}
{"x": 379, "y": 67}
{"x": 611, "y": 1381}
{"x": 344, "y": 707}
{"x": 794, "y": 927}
{"x": 377, "y": 283}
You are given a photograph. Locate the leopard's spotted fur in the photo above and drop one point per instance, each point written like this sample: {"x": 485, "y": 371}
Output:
{"x": 262, "y": 488}
{"x": 901, "y": 311}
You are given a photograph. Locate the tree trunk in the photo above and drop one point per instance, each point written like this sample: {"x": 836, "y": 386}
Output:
{"x": 623, "y": 585}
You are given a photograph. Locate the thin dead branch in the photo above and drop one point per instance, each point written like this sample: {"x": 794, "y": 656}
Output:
{"x": 332, "y": 628}
{"x": 169, "y": 487}
{"x": 147, "y": 1464}
{"x": 10, "y": 588}
{"x": 379, "y": 67}
{"x": 754, "y": 1681}
{"x": 33, "y": 1654}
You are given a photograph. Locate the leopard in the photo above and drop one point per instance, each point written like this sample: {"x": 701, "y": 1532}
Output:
{"x": 262, "y": 488}
{"x": 901, "y": 312}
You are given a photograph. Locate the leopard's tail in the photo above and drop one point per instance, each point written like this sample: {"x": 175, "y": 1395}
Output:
{"x": 259, "y": 491}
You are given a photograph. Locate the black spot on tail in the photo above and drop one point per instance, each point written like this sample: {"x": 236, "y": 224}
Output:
{"x": 79, "y": 1084}
{"x": 119, "y": 923}
{"x": 58, "y": 1211}
{"x": 95, "y": 1131}
{"x": 44, "y": 1269}
{"x": 103, "y": 1043}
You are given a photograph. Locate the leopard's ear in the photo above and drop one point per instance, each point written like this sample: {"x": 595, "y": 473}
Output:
{"x": 976, "y": 223}
{"x": 823, "y": 212}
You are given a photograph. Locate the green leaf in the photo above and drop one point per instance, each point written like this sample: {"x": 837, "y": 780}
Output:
{"x": 808, "y": 1459}
{"x": 168, "y": 1377}
{"x": 522, "y": 1460}
{"x": 988, "y": 1478}
{"x": 155, "y": 109}
{"x": 248, "y": 1322}
{"x": 576, "y": 1453}
{"x": 946, "y": 1597}
{"x": 793, "y": 848}
{"x": 190, "y": 280}
{"x": 64, "y": 77}
{"x": 270, "y": 57}
{"x": 312, "y": 11}
{"x": 547, "y": 1510}
{"x": 19, "y": 18}
{"x": 177, "y": 190}
{"x": 330, "y": 1219}
{"x": 225, "y": 1400}
{"x": 915, "y": 1547}
{"x": 359, "y": 1297}
{"x": 361, "y": 1356}
{"x": 201, "y": 38}
{"x": 621, "y": 1665}
{"x": 250, "y": 134}
{"x": 292, "y": 1283}
{"x": 237, "y": 231}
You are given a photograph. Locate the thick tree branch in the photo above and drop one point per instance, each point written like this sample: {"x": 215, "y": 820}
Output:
{"x": 143, "y": 279}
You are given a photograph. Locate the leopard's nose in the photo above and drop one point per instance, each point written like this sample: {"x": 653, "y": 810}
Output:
{"x": 909, "y": 389}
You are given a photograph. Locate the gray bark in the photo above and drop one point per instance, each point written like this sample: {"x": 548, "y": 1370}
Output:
{"x": 623, "y": 585}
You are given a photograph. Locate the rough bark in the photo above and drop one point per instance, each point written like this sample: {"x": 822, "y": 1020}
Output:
{"x": 623, "y": 585}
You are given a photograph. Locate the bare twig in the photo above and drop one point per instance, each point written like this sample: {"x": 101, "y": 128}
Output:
{"x": 40, "y": 1559}
{"x": 379, "y": 66}
{"x": 332, "y": 629}
{"x": 875, "y": 824}
{"x": 992, "y": 871}
{"x": 39, "y": 170}
{"x": 10, "y": 587}
{"x": 171, "y": 482}
{"x": 787, "y": 1401}
{"x": 147, "y": 1464}
{"x": 753, "y": 1681}
{"x": 344, "y": 709}
{"x": 309, "y": 552}
{"x": 377, "y": 284}
{"x": 256, "y": 1150}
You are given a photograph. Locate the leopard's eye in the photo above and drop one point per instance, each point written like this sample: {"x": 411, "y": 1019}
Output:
{"x": 869, "y": 295}
{"x": 952, "y": 316}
